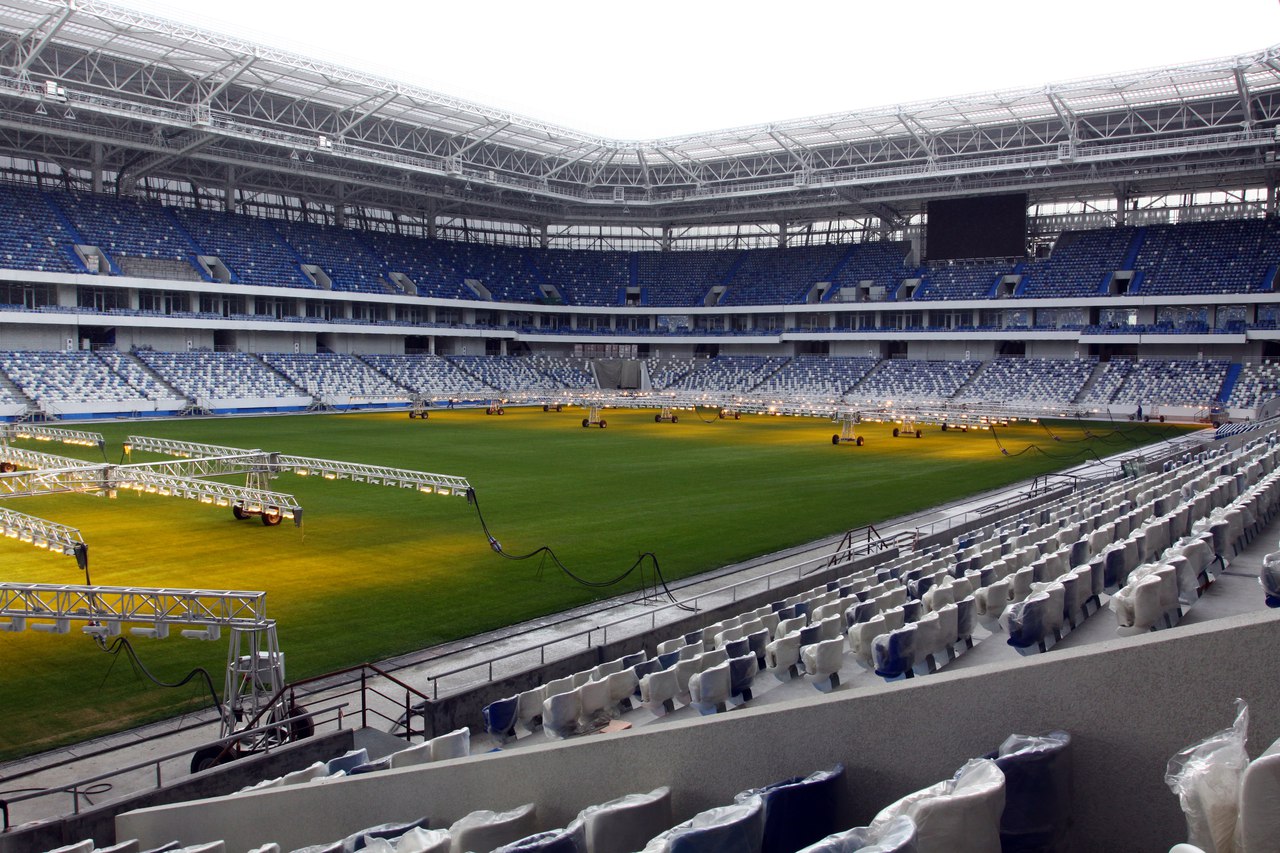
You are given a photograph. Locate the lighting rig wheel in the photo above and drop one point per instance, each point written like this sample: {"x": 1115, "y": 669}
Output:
{"x": 835, "y": 439}
{"x": 919, "y": 433}
{"x": 895, "y": 432}
{"x": 206, "y": 757}
{"x": 585, "y": 423}
{"x": 858, "y": 441}
{"x": 502, "y": 411}
{"x": 722, "y": 414}
{"x": 239, "y": 513}
{"x": 559, "y": 407}
{"x": 603, "y": 424}
{"x": 545, "y": 407}
{"x": 301, "y": 727}
{"x": 270, "y": 519}
{"x": 657, "y": 419}
{"x": 675, "y": 419}
{"x": 944, "y": 427}
{"x": 737, "y": 416}
{"x": 7, "y": 467}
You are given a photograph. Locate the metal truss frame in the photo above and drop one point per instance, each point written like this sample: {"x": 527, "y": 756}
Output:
{"x": 331, "y": 469}
{"x": 40, "y": 532}
{"x": 146, "y": 606}
{"x": 99, "y": 87}
{"x": 83, "y": 438}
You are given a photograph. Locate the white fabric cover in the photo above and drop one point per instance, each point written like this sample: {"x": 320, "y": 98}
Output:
{"x": 622, "y": 685}
{"x": 710, "y": 687}
{"x": 783, "y": 652}
{"x": 959, "y": 815}
{"x": 316, "y": 771}
{"x": 594, "y": 700}
{"x": 529, "y": 705}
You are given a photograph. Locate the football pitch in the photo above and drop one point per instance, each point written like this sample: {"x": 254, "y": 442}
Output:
{"x": 376, "y": 571}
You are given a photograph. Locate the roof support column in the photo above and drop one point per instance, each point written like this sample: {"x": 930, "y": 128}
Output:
{"x": 1271, "y": 194}
{"x": 543, "y": 239}
{"x": 1122, "y": 203}
{"x": 96, "y": 167}
{"x": 229, "y": 203}
{"x": 340, "y": 206}
{"x": 665, "y": 240}
{"x": 782, "y": 235}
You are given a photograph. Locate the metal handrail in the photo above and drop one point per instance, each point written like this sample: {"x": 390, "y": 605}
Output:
{"x": 74, "y": 788}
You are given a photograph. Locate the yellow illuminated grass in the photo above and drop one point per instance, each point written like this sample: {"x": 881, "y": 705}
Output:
{"x": 376, "y": 571}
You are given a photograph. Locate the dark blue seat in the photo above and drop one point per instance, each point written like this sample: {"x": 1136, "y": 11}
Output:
{"x": 799, "y": 811}
{"x": 1028, "y": 621}
{"x": 860, "y": 612}
{"x": 738, "y": 828}
{"x": 693, "y": 637}
{"x": 500, "y": 718}
{"x": 742, "y": 671}
{"x": 1037, "y": 792}
{"x": 912, "y": 610}
{"x": 652, "y": 665}
{"x": 572, "y": 839}
{"x": 810, "y": 634}
{"x": 668, "y": 660}
{"x": 737, "y": 648}
{"x": 631, "y": 660}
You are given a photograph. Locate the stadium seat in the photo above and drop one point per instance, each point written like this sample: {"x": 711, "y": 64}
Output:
{"x": 571, "y": 839}
{"x": 658, "y": 691}
{"x": 1037, "y": 805}
{"x": 894, "y": 836}
{"x": 455, "y": 744}
{"x": 1259, "y": 820}
{"x": 738, "y": 828}
{"x": 487, "y": 830}
{"x": 709, "y": 689}
{"x": 783, "y": 656}
{"x": 822, "y": 662}
{"x": 529, "y": 708}
{"x": 420, "y": 840}
{"x": 500, "y": 718}
{"x": 800, "y": 810}
{"x": 958, "y": 815}
{"x": 626, "y": 824}
{"x": 560, "y": 714}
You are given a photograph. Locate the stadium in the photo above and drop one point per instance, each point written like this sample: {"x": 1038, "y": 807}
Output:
{"x": 924, "y": 426}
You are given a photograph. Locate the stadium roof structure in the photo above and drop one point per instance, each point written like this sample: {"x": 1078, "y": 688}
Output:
{"x": 98, "y": 87}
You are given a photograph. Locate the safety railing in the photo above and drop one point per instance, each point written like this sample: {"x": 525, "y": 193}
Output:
{"x": 82, "y": 789}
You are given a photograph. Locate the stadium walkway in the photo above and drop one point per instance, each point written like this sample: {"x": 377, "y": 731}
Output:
{"x": 564, "y": 633}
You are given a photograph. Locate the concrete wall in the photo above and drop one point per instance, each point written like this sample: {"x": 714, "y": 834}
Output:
{"x": 17, "y": 337}
{"x": 1055, "y": 349}
{"x": 164, "y": 340}
{"x": 951, "y": 350}
{"x": 1130, "y": 704}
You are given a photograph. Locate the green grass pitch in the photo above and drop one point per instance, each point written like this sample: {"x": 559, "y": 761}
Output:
{"x": 376, "y": 571}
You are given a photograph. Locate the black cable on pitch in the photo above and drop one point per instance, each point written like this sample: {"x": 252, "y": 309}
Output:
{"x": 122, "y": 644}
{"x": 697, "y": 411}
{"x": 546, "y": 552}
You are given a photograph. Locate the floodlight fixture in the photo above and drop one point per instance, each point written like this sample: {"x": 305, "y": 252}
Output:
{"x": 208, "y": 634}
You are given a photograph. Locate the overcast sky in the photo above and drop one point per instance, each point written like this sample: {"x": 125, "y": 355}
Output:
{"x": 647, "y": 70}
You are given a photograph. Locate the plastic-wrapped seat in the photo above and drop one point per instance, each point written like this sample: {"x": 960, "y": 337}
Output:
{"x": 800, "y": 810}
{"x": 622, "y": 686}
{"x": 991, "y": 600}
{"x": 709, "y": 689}
{"x": 347, "y": 761}
{"x": 738, "y": 828}
{"x": 455, "y": 744}
{"x": 783, "y": 654}
{"x": 1270, "y": 579}
{"x": 560, "y": 714}
{"x": 658, "y": 691}
{"x": 626, "y": 824}
{"x": 966, "y": 620}
{"x": 486, "y": 830}
{"x": 1258, "y": 826}
{"x": 529, "y": 708}
{"x": 1026, "y": 621}
{"x": 959, "y": 815}
{"x": 742, "y": 672}
{"x": 862, "y": 636}
{"x": 421, "y": 840}
{"x": 570, "y": 839}
{"x": 893, "y": 653}
{"x": 1037, "y": 792}
{"x": 894, "y": 836}
{"x": 411, "y": 756}
{"x": 758, "y": 642}
{"x": 500, "y": 718}
{"x": 822, "y": 662}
